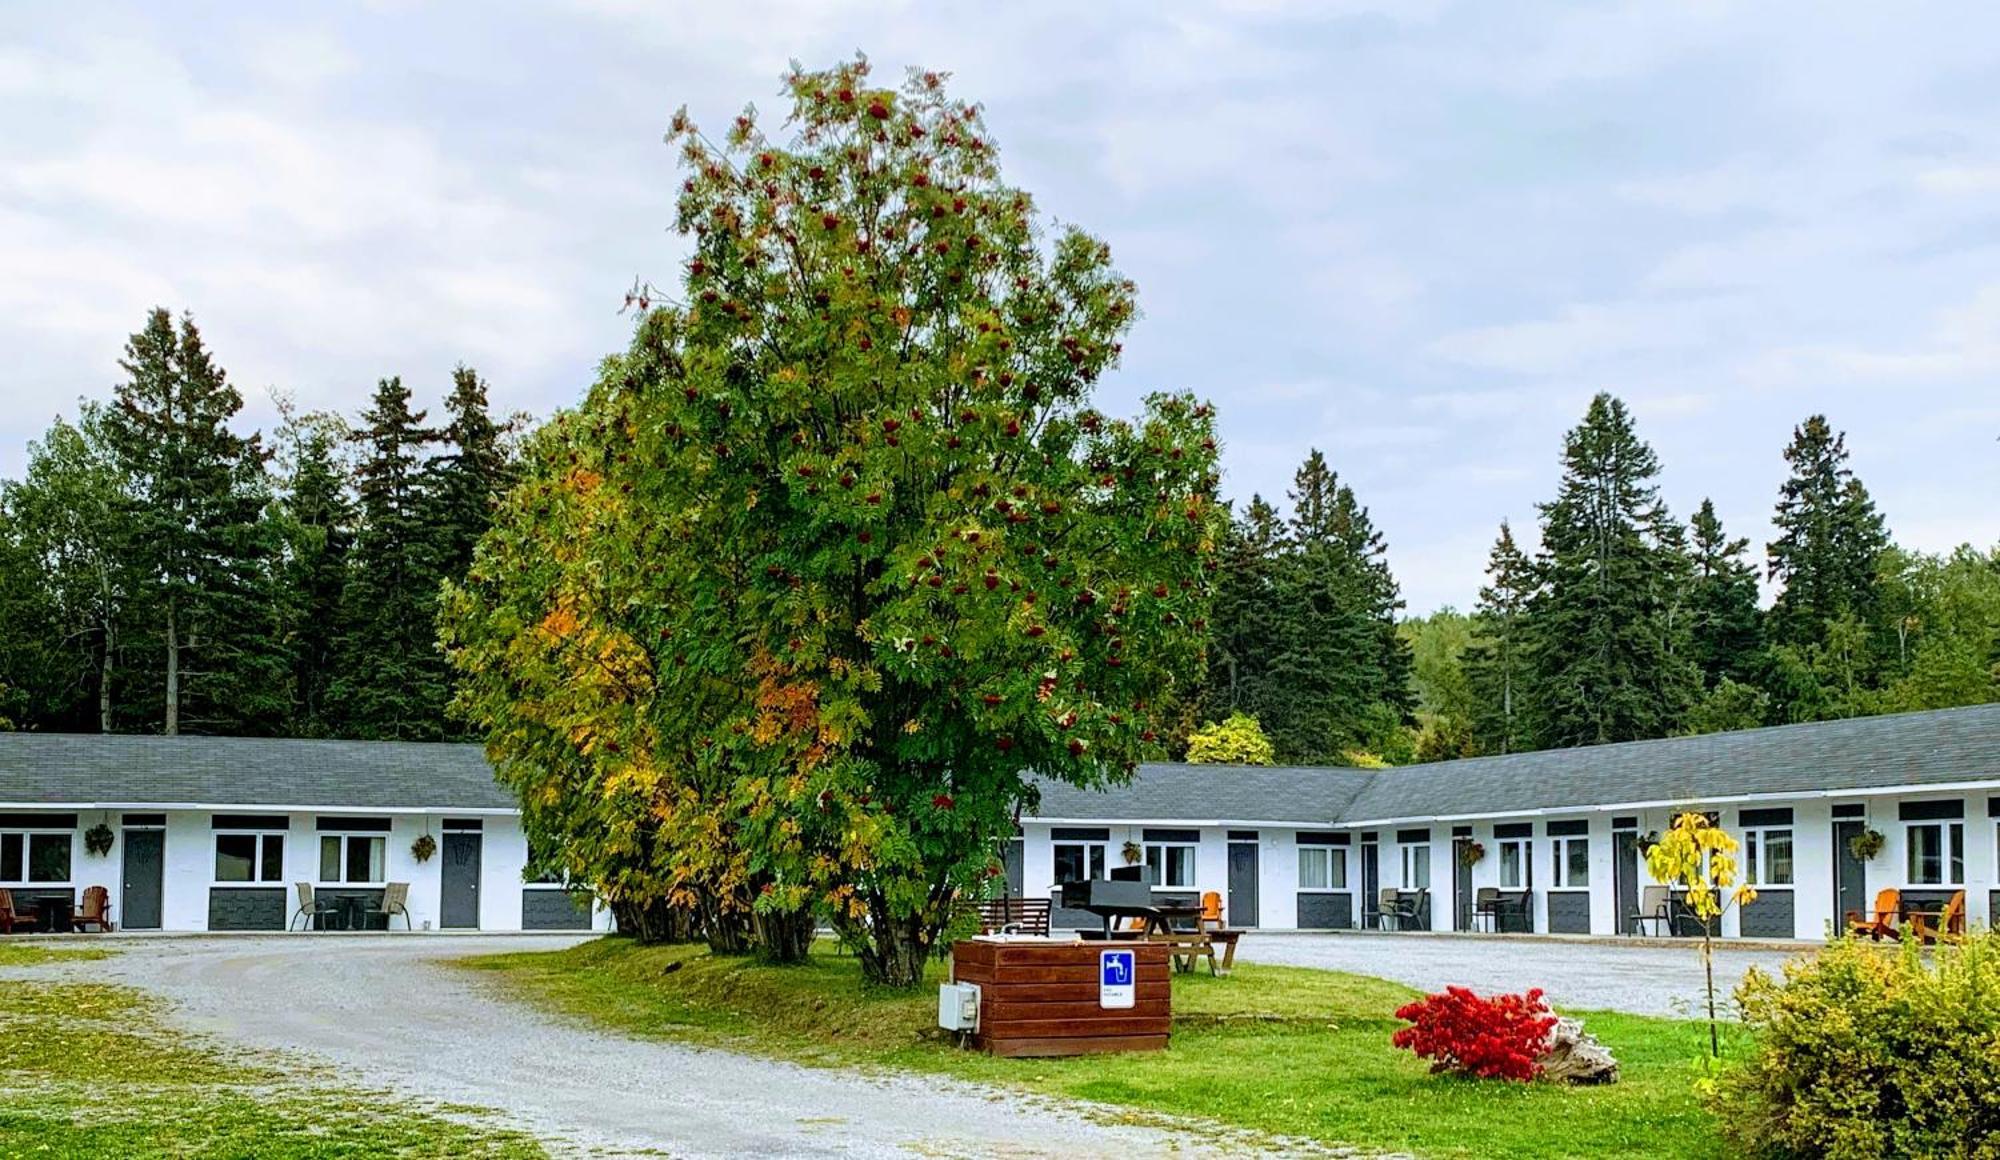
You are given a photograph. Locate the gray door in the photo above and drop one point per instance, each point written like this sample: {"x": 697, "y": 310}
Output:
{"x": 1371, "y": 885}
{"x": 1625, "y": 877}
{"x": 145, "y": 860}
{"x": 458, "y": 906}
{"x": 1242, "y": 884}
{"x": 1013, "y": 860}
{"x": 1461, "y": 885}
{"x": 1850, "y": 886}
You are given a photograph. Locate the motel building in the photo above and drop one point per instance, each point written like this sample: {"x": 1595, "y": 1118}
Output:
{"x": 219, "y": 834}
{"x": 229, "y": 834}
{"x": 1557, "y": 835}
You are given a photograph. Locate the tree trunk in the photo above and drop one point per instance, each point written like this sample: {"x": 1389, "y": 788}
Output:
{"x": 104, "y": 670}
{"x": 726, "y": 931}
{"x": 785, "y": 938}
{"x": 896, "y": 949}
{"x": 173, "y": 725}
{"x": 655, "y": 921}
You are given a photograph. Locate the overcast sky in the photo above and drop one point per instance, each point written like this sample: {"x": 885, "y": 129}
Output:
{"x": 1415, "y": 235}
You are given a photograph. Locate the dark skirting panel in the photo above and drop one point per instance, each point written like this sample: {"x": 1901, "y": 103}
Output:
{"x": 555, "y": 909}
{"x": 247, "y": 908}
{"x": 1770, "y": 915}
{"x": 1569, "y": 911}
{"x": 1326, "y": 911}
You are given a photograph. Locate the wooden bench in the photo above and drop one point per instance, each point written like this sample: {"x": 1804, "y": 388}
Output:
{"x": 1014, "y": 916}
{"x": 1185, "y": 946}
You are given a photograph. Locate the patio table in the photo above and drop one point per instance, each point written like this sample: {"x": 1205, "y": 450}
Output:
{"x": 55, "y": 912}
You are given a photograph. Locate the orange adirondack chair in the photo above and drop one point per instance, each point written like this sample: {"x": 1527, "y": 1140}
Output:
{"x": 1211, "y": 910}
{"x": 1951, "y": 922}
{"x": 1879, "y": 923}
{"x": 7, "y": 916}
{"x": 95, "y": 911}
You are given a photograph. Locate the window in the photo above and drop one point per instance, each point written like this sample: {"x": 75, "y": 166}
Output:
{"x": 352, "y": 857}
{"x": 249, "y": 857}
{"x": 1322, "y": 868}
{"x": 1079, "y": 853}
{"x": 1937, "y": 853}
{"x": 1767, "y": 857}
{"x": 1569, "y": 862}
{"x": 1514, "y": 873}
{"x": 1170, "y": 856}
{"x": 1416, "y": 867}
{"x": 34, "y": 857}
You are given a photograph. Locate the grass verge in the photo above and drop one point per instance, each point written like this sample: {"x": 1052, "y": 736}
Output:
{"x": 1284, "y": 1050}
{"x": 90, "y": 1069}
{"x": 36, "y": 954}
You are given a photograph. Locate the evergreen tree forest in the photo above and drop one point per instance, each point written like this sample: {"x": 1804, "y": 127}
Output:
{"x": 163, "y": 571}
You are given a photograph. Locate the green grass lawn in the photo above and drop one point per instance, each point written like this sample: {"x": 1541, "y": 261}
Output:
{"x": 89, "y": 1069}
{"x": 35, "y": 954}
{"x": 1277, "y": 1049}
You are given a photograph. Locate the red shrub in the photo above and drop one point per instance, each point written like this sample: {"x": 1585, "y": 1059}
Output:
{"x": 1497, "y": 1038}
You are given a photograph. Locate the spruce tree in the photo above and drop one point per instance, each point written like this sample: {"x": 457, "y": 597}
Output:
{"x": 1496, "y": 664}
{"x": 317, "y": 517}
{"x": 212, "y": 655}
{"x": 1830, "y": 538}
{"x": 1608, "y": 660}
{"x": 469, "y": 475}
{"x": 1726, "y": 625}
{"x": 389, "y": 679}
{"x": 1245, "y": 614}
{"x": 1340, "y": 675}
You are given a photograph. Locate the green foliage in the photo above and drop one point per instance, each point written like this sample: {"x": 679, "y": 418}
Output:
{"x": 1236, "y": 740}
{"x": 838, "y": 552}
{"x": 1305, "y": 612}
{"x": 205, "y": 637}
{"x": 1729, "y": 705}
{"x": 1864, "y": 1053}
{"x": 1446, "y": 707}
{"x": 1829, "y": 537}
{"x": 1496, "y": 662}
{"x": 1725, "y": 624}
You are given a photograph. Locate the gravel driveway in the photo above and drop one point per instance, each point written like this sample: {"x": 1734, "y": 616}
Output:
{"x": 384, "y": 1013}
{"x": 1644, "y": 978}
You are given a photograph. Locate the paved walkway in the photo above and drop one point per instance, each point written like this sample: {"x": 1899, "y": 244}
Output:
{"x": 384, "y": 1013}
{"x": 1644, "y": 978}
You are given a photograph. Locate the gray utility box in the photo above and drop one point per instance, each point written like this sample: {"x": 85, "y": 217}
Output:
{"x": 958, "y": 1006}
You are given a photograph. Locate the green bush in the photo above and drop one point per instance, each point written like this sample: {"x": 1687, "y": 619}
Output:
{"x": 1867, "y": 1051}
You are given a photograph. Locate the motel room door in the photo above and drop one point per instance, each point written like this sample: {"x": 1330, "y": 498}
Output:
{"x": 1461, "y": 884}
{"x": 1850, "y": 888}
{"x": 145, "y": 867}
{"x": 1243, "y": 882}
{"x": 459, "y": 886}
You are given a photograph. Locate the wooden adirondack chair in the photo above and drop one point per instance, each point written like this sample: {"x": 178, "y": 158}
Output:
{"x": 1879, "y": 923}
{"x": 8, "y": 917}
{"x": 1951, "y": 922}
{"x": 1211, "y": 911}
{"x": 95, "y": 911}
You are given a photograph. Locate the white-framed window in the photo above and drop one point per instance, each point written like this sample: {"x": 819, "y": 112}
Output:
{"x": 1569, "y": 862}
{"x": 1767, "y": 856}
{"x": 1416, "y": 867}
{"x": 1514, "y": 855}
{"x": 1936, "y": 853}
{"x": 249, "y": 856}
{"x": 354, "y": 850}
{"x": 1322, "y": 867}
{"x": 1170, "y": 856}
{"x": 1080, "y": 853}
{"x": 37, "y": 856}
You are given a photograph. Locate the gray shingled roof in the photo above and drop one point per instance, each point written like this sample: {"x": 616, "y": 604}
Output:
{"x": 84, "y": 769}
{"x": 1212, "y": 793}
{"x": 1908, "y": 749}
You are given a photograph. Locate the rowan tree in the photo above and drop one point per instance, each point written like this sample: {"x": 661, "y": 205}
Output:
{"x": 843, "y": 542}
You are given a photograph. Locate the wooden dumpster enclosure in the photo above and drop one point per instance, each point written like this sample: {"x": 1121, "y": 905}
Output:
{"x": 1042, "y": 997}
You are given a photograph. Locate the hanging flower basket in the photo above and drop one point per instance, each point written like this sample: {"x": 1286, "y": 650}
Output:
{"x": 1471, "y": 853}
{"x": 97, "y": 839}
{"x": 1866, "y": 844}
{"x": 423, "y": 847}
{"x": 1647, "y": 841}
{"x": 1133, "y": 853}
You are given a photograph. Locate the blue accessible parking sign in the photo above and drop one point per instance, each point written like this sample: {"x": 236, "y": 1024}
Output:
{"x": 1117, "y": 978}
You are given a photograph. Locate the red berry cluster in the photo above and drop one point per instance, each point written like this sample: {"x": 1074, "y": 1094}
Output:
{"x": 1501, "y": 1037}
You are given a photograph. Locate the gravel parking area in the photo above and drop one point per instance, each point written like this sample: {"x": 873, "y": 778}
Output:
{"x": 1643, "y": 978}
{"x": 383, "y": 1012}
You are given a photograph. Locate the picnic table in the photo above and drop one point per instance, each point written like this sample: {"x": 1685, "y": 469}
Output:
{"x": 1177, "y": 927}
